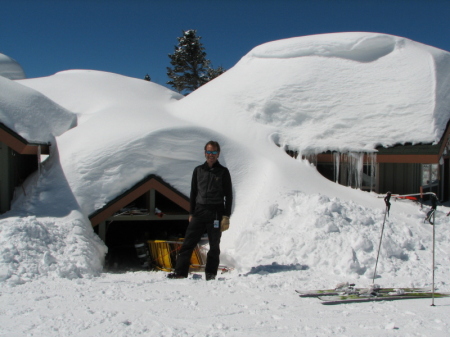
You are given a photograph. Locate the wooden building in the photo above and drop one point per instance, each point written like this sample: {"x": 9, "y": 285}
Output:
{"x": 400, "y": 169}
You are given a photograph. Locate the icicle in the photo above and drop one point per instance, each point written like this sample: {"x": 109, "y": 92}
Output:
{"x": 354, "y": 164}
{"x": 351, "y": 170}
{"x": 39, "y": 159}
{"x": 355, "y": 169}
{"x": 348, "y": 160}
{"x": 359, "y": 169}
{"x": 336, "y": 160}
{"x": 312, "y": 158}
{"x": 372, "y": 160}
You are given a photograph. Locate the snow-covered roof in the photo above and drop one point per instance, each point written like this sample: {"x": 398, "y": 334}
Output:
{"x": 341, "y": 91}
{"x": 125, "y": 133}
{"x": 32, "y": 115}
{"x": 10, "y": 68}
{"x": 345, "y": 92}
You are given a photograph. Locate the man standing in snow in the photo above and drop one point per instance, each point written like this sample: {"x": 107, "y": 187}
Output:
{"x": 210, "y": 210}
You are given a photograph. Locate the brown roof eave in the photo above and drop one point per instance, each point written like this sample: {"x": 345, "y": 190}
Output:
{"x": 20, "y": 144}
{"x": 150, "y": 182}
{"x": 418, "y": 153}
{"x": 390, "y": 158}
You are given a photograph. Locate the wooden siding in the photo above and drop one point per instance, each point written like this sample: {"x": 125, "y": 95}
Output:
{"x": 399, "y": 178}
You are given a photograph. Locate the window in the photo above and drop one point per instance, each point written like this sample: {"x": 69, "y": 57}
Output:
{"x": 430, "y": 174}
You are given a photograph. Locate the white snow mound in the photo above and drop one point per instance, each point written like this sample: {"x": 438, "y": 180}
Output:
{"x": 31, "y": 247}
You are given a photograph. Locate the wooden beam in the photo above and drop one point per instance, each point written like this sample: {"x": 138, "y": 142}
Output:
{"x": 408, "y": 159}
{"x": 389, "y": 158}
{"x": 136, "y": 193}
{"x": 20, "y": 145}
{"x": 148, "y": 217}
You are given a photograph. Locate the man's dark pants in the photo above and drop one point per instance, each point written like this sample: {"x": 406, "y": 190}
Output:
{"x": 194, "y": 232}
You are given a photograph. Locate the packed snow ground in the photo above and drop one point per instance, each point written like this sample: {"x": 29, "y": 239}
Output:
{"x": 290, "y": 229}
{"x": 147, "y": 304}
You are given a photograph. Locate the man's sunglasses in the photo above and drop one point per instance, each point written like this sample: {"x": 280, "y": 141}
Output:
{"x": 211, "y": 152}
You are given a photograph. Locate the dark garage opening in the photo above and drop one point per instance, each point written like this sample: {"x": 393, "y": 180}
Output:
{"x": 151, "y": 210}
{"x": 121, "y": 237}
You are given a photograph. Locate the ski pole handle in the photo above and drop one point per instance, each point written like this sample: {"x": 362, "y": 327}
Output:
{"x": 386, "y": 200}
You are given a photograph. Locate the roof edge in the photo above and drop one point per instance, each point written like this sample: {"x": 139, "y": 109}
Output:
{"x": 20, "y": 144}
{"x": 152, "y": 181}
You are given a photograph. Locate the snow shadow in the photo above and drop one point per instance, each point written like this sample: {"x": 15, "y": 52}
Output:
{"x": 46, "y": 193}
{"x": 275, "y": 268}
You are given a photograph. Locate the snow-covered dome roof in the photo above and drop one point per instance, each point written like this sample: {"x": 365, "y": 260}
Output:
{"x": 10, "y": 68}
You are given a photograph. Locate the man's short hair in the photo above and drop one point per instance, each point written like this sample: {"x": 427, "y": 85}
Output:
{"x": 213, "y": 143}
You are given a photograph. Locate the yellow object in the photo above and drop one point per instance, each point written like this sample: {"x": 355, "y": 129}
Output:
{"x": 160, "y": 254}
{"x": 163, "y": 254}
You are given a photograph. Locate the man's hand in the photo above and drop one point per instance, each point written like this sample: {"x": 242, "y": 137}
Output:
{"x": 225, "y": 223}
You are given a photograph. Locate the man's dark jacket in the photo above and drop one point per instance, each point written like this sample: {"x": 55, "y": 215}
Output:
{"x": 211, "y": 191}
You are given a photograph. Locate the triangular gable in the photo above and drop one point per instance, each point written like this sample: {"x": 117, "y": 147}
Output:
{"x": 145, "y": 185}
{"x": 20, "y": 144}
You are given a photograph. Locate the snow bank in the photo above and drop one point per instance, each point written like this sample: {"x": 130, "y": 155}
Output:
{"x": 31, "y": 114}
{"x": 10, "y": 68}
{"x": 31, "y": 247}
{"x": 341, "y": 238}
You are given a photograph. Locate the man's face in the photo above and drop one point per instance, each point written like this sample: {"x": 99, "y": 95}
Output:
{"x": 211, "y": 154}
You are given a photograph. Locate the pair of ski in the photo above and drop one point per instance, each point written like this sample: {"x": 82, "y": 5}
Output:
{"x": 350, "y": 294}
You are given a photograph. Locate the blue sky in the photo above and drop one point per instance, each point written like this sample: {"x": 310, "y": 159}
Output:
{"x": 134, "y": 37}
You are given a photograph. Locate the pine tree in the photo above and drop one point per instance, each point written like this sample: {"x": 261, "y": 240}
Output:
{"x": 191, "y": 69}
{"x": 213, "y": 73}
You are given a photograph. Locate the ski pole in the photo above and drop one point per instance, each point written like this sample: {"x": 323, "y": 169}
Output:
{"x": 434, "y": 205}
{"x": 432, "y": 213}
{"x": 388, "y": 206}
